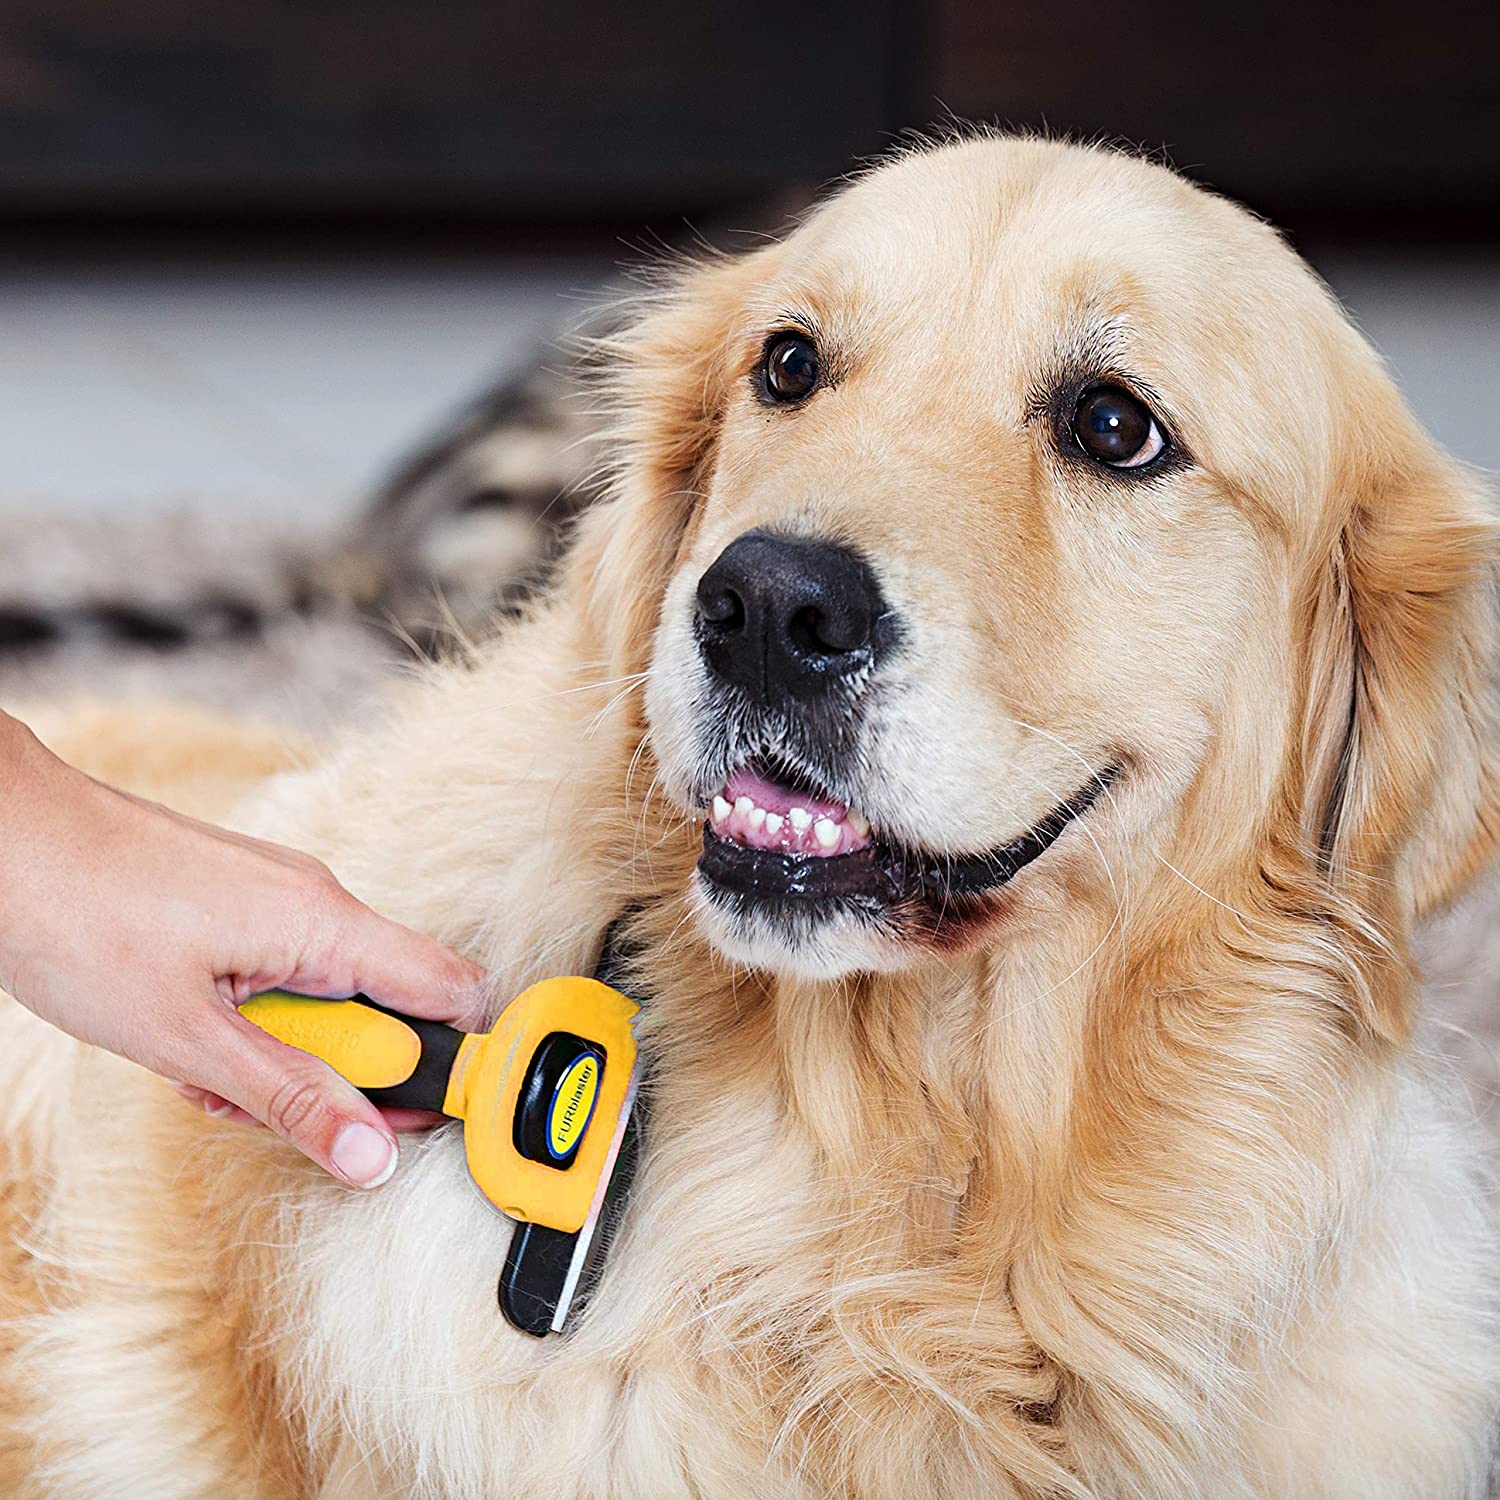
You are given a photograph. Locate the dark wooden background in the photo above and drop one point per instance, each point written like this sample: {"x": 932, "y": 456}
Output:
{"x": 294, "y": 111}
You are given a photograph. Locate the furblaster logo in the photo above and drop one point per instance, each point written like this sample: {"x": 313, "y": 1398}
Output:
{"x": 573, "y": 1105}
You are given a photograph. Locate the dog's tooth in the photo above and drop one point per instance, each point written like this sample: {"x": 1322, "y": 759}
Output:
{"x": 721, "y": 809}
{"x": 743, "y": 805}
{"x": 774, "y": 822}
{"x": 857, "y": 821}
{"x": 801, "y": 819}
{"x": 826, "y": 831}
{"x": 757, "y": 818}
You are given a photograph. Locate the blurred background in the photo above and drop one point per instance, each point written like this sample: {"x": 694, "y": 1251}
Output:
{"x": 282, "y": 283}
{"x": 250, "y": 249}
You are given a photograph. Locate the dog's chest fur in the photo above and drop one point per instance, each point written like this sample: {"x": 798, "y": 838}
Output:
{"x": 803, "y": 1256}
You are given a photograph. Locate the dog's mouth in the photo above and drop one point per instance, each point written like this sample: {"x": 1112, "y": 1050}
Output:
{"x": 773, "y": 840}
{"x": 773, "y": 816}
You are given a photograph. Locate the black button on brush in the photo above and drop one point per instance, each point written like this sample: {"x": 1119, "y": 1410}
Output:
{"x": 557, "y": 1099}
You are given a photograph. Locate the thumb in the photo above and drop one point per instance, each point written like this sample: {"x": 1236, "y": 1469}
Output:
{"x": 299, "y": 1097}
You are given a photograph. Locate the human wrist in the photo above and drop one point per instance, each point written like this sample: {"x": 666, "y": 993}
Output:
{"x": 37, "y": 791}
{"x": 18, "y": 748}
{"x": 14, "y": 738}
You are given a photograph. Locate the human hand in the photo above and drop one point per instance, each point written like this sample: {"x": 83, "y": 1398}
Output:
{"x": 140, "y": 930}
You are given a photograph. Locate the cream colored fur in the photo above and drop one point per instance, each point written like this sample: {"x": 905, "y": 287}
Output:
{"x": 1137, "y": 1191}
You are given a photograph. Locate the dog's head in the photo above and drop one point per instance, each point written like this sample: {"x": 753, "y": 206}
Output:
{"x": 1027, "y": 521}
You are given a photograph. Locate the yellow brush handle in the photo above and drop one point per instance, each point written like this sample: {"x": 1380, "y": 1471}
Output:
{"x": 376, "y": 1051}
{"x": 370, "y": 1048}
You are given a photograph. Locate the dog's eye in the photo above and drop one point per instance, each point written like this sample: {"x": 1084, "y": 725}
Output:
{"x": 790, "y": 370}
{"x": 1113, "y": 428}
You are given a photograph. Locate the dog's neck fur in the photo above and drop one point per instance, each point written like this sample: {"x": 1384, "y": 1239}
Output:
{"x": 974, "y": 1130}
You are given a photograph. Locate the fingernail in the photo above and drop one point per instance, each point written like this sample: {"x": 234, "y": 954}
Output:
{"x": 218, "y": 1109}
{"x": 363, "y": 1156}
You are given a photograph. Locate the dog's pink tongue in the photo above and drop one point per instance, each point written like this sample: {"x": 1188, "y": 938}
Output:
{"x": 763, "y": 814}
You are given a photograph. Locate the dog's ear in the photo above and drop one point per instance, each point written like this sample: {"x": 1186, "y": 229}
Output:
{"x": 668, "y": 372}
{"x": 1401, "y": 786}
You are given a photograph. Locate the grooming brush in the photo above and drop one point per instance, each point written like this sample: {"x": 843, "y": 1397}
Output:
{"x": 546, "y": 1099}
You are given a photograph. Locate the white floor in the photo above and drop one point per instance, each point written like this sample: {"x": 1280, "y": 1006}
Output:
{"x": 261, "y": 389}
{"x": 279, "y": 390}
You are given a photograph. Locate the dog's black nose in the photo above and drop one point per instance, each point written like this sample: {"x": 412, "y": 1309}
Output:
{"x": 786, "y": 617}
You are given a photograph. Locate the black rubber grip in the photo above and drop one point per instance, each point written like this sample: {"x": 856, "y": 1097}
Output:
{"x": 427, "y": 1086}
{"x": 532, "y": 1134}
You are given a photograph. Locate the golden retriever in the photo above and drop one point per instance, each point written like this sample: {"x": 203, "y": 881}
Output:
{"x": 1026, "y": 683}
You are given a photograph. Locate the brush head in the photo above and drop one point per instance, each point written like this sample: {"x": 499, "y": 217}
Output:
{"x": 547, "y": 1099}
{"x": 543, "y": 1097}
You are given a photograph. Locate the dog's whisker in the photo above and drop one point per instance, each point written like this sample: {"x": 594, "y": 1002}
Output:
{"x": 1207, "y": 895}
{"x": 591, "y": 728}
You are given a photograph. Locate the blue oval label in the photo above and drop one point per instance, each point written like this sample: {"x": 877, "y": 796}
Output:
{"x": 572, "y": 1106}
